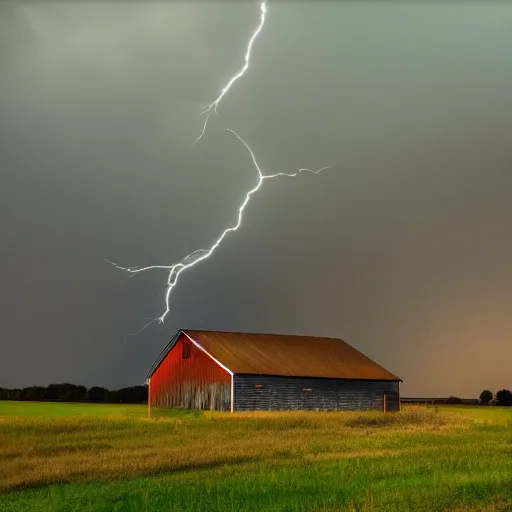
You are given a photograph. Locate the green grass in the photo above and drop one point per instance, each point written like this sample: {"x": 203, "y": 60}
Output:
{"x": 83, "y": 457}
{"x": 53, "y": 409}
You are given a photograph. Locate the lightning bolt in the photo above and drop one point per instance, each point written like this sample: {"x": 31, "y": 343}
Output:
{"x": 191, "y": 260}
{"x": 212, "y": 108}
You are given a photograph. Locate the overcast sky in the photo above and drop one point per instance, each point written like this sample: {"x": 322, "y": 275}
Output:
{"x": 403, "y": 248}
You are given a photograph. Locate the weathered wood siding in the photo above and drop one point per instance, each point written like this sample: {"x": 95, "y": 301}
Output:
{"x": 190, "y": 379}
{"x": 269, "y": 393}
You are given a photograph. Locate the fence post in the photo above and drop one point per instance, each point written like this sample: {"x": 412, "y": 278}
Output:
{"x": 384, "y": 403}
{"x": 149, "y": 398}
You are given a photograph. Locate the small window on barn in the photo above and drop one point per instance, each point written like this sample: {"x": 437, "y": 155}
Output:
{"x": 259, "y": 386}
{"x": 307, "y": 390}
{"x": 185, "y": 354}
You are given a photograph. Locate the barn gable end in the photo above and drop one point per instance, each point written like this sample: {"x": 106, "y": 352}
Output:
{"x": 187, "y": 377}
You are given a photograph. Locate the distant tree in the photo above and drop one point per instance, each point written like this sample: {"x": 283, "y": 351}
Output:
{"x": 32, "y": 393}
{"x": 80, "y": 394}
{"x": 111, "y": 396}
{"x": 5, "y": 394}
{"x": 15, "y": 394}
{"x": 97, "y": 394}
{"x": 504, "y": 397}
{"x": 130, "y": 395}
{"x": 485, "y": 397}
{"x": 52, "y": 392}
{"x": 134, "y": 395}
{"x": 66, "y": 392}
{"x": 454, "y": 400}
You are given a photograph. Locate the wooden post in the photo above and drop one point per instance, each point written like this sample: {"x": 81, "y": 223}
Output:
{"x": 232, "y": 394}
{"x": 384, "y": 403}
{"x": 149, "y": 398}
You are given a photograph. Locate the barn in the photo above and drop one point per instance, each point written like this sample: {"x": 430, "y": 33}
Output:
{"x": 228, "y": 371}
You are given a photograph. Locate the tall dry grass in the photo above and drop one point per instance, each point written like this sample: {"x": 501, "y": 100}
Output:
{"x": 36, "y": 451}
{"x": 422, "y": 459}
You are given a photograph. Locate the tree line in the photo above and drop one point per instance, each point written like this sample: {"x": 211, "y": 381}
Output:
{"x": 72, "y": 393}
{"x": 139, "y": 394}
{"x": 502, "y": 397}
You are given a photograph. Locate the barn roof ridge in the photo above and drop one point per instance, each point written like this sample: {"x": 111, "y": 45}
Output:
{"x": 291, "y": 355}
{"x": 312, "y": 336}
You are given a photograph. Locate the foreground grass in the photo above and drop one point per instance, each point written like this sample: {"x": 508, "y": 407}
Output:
{"x": 111, "y": 457}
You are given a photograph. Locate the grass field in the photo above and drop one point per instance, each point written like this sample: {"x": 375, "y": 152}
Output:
{"x": 84, "y": 457}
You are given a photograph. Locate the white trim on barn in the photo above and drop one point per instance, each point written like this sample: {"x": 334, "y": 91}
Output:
{"x": 209, "y": 355}
{"x": 232, "y": 393}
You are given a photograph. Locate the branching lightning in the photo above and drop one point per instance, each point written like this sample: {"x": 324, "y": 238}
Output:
{"x": 175, "y": 270}
{"x": 213, "y": 106}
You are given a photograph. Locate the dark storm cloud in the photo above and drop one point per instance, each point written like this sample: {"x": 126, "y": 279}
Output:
{"x": 403, "y": 249}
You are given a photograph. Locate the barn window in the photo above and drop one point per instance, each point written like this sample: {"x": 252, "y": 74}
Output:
{"x": 185, "y": 353}
{"x": 258, "y": 386}
{"x": 306, "y": 389}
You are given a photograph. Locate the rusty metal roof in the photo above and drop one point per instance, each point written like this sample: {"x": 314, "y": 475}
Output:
{"x": 286, "y": 355}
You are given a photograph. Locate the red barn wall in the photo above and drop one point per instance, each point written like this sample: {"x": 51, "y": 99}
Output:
{"x": 190, "y": 379}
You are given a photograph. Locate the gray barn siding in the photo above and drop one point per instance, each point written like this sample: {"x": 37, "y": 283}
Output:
{"x": 287, "y": 393}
